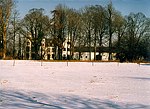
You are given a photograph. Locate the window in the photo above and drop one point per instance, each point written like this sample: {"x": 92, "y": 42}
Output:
{"x": 48, "y": 56}
{"x": 28, "y": 43}
{"x": 48, "y": 49}
{"x": 68, "y": 49}
{"x": 53, "y": 56}
{"x": 27, "y": 49}
{"x": 53, "y": 49}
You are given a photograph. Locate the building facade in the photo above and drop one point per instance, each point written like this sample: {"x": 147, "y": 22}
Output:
{"x": 46, "y": 51}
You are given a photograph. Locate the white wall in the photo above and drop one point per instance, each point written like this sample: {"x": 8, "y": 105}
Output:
{"x": 85, "y": 56}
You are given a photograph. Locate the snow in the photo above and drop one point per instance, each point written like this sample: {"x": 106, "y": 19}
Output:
{"x": 74, "y": 85}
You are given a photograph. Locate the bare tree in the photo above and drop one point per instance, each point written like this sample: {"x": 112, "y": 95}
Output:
{"x": 13, "y": 31}
{"x": 120, "y": 25}
{"x": 110, "y": 28}
{"x": 112, "y": 17}
{"x": 73, "y": 26}
{"x": 59, "y": 29}
{"x": 134, "y": 43}
{"x": 5, "y": 12}
{"x": 98, "y": 27}
{"x": 87, "y": 19}
{"x": 36, "y": 24}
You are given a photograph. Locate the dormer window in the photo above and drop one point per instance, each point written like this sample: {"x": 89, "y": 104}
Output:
{"x": 28, "y": 43}
{"x": 48, "y": 50}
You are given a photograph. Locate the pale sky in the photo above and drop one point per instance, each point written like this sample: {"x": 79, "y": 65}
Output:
{"x": 124, "y": 6}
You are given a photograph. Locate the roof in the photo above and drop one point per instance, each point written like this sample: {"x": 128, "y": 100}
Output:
{"x": 92, "y": 49}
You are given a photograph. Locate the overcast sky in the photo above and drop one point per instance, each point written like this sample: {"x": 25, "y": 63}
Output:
{"x": 124, "y": 6}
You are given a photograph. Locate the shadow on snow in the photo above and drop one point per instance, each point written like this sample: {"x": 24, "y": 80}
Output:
{"x": 33, "y": 100}
{"x": 140, "y": 78}
{"x": 146, "y": 64}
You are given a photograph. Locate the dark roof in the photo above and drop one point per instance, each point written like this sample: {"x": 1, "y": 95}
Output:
{"x": 92, "y": 49}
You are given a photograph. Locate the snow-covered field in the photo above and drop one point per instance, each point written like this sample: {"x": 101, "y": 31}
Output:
{"x": 76, "y": 85}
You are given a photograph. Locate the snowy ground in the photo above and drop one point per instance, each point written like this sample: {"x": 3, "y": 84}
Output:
{"x": 78, "y": 85}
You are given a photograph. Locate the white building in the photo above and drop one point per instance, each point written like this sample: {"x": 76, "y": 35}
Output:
{"x": 66, "y": 49}
{"x": 28, "y": 51}
{"x": 85, "y": 56}
{"x": 47, "y": 50}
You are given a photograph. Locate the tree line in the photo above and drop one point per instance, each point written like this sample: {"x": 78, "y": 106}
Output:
{"x": 92, "y": 26}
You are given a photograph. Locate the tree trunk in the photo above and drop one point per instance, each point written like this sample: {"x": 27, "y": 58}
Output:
{"x": 89, "y": 45}
{"x": 14, "y": 37}
{"x": 59, "y": 53}
{"x": 100, "y": 45}
{"x": 4, "y": 42}
{"x": 110, "y": 31}
{"x": 110, "y": 47}
{"x": 95, "y": 47}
